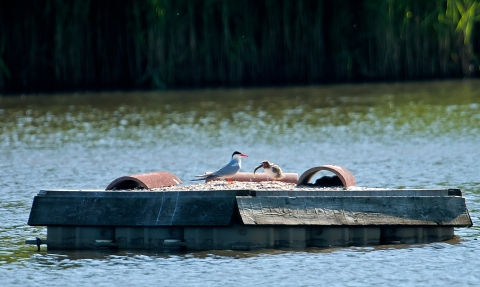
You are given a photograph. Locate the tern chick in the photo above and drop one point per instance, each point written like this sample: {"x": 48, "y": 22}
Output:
{"x": 226, "y": 171}
{"x": 272, "y": 170}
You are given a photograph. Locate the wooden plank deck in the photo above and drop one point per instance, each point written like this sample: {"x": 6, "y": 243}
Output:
{"x": 109, "y": 208}
{"x": 354, "y": 210}
{"x": 443, "y": 207}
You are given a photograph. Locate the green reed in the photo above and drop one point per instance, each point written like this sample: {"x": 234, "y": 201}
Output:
{"x": 53, "y": 45}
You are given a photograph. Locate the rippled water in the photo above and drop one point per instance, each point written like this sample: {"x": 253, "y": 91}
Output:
{"x": 396, "y": 135}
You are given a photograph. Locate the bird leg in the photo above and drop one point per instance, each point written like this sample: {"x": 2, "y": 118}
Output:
{"x": 229, "y": 180}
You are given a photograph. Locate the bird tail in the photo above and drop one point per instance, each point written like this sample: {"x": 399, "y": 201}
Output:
{"x": 203, "y": 176}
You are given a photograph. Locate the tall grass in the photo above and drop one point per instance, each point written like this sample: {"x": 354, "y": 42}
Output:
{"x": 51, "y": 45}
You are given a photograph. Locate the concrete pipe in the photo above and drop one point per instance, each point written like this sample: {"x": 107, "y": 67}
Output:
{"x": 345, "y": 176}
{"x": 144, "y": 181}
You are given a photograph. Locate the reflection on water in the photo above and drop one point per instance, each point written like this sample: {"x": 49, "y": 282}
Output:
{"x": 55, "y": 257}
{"x": 296, "y": 114}
{"x": 389, "y": 135}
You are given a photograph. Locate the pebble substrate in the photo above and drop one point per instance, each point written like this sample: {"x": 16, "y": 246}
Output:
{"x": 237, "y": 185}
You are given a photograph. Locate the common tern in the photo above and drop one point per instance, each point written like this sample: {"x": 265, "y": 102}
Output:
{"x": 272, "y": 170}
{"x": 227, "y": 171}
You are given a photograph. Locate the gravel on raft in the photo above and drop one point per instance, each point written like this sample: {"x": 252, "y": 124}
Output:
{"x": 264, "y": 185}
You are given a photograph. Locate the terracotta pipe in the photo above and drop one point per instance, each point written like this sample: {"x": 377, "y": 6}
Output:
{"x": 260, "y": 176}
{"x": 145, "y": 181}
{"x": 344, "y": 174}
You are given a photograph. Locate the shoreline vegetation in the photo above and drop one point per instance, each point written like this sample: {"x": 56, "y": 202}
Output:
{"x": 52, "y": 45}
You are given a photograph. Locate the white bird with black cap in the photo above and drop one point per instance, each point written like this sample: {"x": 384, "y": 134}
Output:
{"x": 227, "y": 171}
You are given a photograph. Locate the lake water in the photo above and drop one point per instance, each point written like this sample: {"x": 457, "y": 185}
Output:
{"x": 418, "y": 135}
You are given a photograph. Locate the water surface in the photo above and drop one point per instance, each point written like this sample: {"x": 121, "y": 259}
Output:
{"x": 418, "y": 135}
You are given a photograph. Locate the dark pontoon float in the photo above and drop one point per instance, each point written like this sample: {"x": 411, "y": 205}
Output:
{"x": 140, "y": 212}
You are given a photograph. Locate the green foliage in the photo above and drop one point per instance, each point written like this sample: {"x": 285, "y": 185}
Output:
{"x": 461, "y": 14}
{"x": 158, "y": 44}
{"x": 469, "y": 13}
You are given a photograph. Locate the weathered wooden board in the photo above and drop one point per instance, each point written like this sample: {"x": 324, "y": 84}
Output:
{"x": 79, "y": 208}
{"x": 216, "y": 208}
{"x": 362, "y": 192}
{"x": 354, "y": 210}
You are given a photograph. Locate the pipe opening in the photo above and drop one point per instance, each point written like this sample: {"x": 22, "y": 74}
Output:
{"x": 343, "y": 177}
{"x": 126, "y": 185}
{"x": 325, "y": 179}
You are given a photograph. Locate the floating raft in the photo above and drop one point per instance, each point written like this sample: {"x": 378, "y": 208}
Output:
{"x": 246, "y": 218}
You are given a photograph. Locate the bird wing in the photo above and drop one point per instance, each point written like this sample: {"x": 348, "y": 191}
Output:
{"x": 227, "y": 170}
{"x": 278, "y": 171}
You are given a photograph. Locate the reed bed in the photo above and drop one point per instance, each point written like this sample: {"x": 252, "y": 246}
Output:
{"x": 62, "y": 45}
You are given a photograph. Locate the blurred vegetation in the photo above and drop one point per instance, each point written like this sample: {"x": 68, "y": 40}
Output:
{"x": 61, "y": 45}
